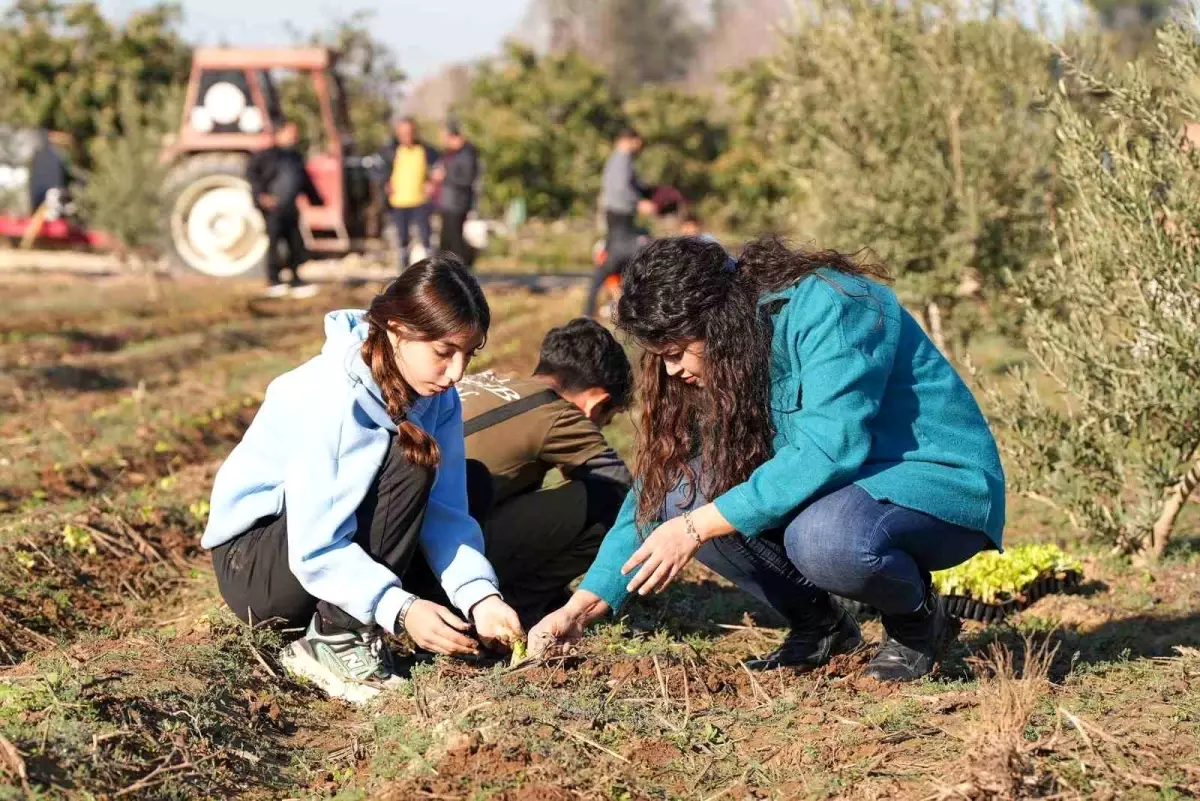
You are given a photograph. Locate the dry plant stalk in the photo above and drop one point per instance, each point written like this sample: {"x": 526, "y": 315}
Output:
{"x": 998, "y": 763}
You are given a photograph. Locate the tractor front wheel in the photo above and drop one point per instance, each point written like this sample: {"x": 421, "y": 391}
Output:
{"x": 215, "y": 228}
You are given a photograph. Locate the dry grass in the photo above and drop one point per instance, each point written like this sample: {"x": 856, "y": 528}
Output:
{"x": 127, "y": 680}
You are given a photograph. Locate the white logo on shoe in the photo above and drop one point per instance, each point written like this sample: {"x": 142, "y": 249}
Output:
{"x": 353, "y": 661}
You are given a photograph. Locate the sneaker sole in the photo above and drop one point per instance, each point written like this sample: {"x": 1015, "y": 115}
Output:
{"x": 304, "y": 666}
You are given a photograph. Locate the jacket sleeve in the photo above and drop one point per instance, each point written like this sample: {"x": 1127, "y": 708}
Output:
{"x": 325, "y": 481}
{"x": 604, "y": 577}
{"x": 461, "y": 169}
{"x": 256, "y": 174}
{"x": 845, "y": 356}
{"x": 450, "y": 537}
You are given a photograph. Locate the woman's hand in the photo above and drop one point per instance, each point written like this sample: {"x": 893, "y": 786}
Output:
{"x": 497, "y": 623}
{"x": 435, "y": 628}
{"x": 671, "y": 546}
{"x": 565, "y": 626}
{"x": 560, "y": 627}
{"x": 662, "y": 557}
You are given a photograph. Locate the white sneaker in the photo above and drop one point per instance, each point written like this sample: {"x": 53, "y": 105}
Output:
{"x": 301, "y": 291}
{"x": 352, "y": 665}
{"x": 277, "y": 291}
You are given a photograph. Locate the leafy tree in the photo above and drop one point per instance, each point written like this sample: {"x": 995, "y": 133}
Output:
{"x": 1114, "y": 319}
{"x": 544, "y": 125}
{"x": 371, "y": 80}
{"x": 64, "y": 65}
{"x": 682, "y": 139}
{"x": 752, "y": 190}
{"x": 912, "y": 128}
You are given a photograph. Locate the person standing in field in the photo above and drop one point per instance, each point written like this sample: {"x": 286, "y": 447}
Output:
{"x": 407, "y": 168}
{"x": 456, "y": 175}
{"x": 352, "y": 474}
{"x": 518, "y": 430}
{"x": 622, "y": 198}
{"x": 277, "y": 178}
{"x": 796, "y": 422}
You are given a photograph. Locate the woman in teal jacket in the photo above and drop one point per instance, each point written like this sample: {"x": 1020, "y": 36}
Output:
{"x": 841, "y": 452}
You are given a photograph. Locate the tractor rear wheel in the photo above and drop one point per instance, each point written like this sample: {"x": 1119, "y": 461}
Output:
{"x": 214, "y": 227}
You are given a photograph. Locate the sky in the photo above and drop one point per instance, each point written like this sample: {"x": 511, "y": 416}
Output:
{"x": 426, "y": 34}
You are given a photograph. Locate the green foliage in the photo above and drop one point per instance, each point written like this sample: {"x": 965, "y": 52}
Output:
{"x": 64, "y": 66}
{"x": 123, "y": 193}
{"x": 912, "y": 129}
{"x": 682, "y": 139}
{"x": 370, "y": 84}
{"x": 78, "y": 539}
{"x": 752, "y": 191}
{"x": 1113, "y": 319}
{"x": 992, "y": 576}
{"x": 544, "y": 125}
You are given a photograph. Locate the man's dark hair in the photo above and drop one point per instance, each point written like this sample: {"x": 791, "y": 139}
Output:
{"x": 629, "y": 132}
{"x": 583, "y": 354}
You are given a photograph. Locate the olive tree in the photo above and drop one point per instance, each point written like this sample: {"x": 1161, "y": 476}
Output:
{"x": 1113, "y": 320}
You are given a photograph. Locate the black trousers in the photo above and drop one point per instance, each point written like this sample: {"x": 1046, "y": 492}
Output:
{"x": 253, "y": 573}
{"x": 283, "y": 236}
{"x": 620, "y": 243}
{"x": 452, "y": 235}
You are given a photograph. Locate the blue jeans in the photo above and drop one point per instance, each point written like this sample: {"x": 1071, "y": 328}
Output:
{"x": 845, "y": 543}
{"x": 404, "y": 219}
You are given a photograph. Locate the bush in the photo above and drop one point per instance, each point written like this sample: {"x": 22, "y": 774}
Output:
{"x": 1114, "y": 319}
{"x": 123, "y": 193}
{"x": 913, "y": 129}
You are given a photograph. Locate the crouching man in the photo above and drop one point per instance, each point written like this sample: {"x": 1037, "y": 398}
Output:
{"x": 539, "y": 539}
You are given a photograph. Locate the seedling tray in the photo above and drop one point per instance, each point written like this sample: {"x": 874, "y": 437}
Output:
{"x": 968, "y": 608}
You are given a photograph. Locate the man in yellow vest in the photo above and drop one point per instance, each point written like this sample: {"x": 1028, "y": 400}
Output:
{"x": 408, "y": 167}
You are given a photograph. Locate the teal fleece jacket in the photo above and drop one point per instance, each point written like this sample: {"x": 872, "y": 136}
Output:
{"x": 858, "y": 395}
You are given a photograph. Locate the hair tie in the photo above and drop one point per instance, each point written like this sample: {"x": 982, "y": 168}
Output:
{"x": 731, "y": 265}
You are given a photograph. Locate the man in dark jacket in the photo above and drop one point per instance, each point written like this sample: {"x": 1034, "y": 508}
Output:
{"x": 406, "y": 174}
{"x": 48, "y": 177}
{"x": 277, "y": 178}
{"x": 456, "y": 175}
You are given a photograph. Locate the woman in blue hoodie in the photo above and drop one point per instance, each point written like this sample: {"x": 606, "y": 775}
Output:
{"x": 840, "y": 450}
{"x": 355, "y": 459}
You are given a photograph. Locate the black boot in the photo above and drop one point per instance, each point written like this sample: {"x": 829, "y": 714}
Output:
{"x": 914, "y": 642}
{"x": 810, "y": 646}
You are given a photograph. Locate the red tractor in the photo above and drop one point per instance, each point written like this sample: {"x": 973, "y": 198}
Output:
{"x": 231, "y": 110}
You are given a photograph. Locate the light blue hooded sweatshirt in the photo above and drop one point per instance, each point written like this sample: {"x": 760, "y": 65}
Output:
{"x": 317, "y": 443}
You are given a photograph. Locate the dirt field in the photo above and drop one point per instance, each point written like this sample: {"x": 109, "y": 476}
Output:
{"x": 122, "y": 677}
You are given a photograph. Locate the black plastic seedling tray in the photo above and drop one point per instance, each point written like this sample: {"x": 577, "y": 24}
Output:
{"x": 961, "y": 606}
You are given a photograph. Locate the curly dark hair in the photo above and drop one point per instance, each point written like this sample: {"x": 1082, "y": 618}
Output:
{"x": 583, "y": 354}
{"x": 684, "y": 289}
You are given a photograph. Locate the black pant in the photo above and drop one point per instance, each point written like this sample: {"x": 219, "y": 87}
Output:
{"x": 452, "y": 235}
{"x": 255, "y": 579}
{"x": 539, "y": 541}
{"x": 620, "y": 243}
{"x": 283, "y": 234}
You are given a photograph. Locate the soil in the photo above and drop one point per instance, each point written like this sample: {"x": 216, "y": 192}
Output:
{"x": 120, "y": 671}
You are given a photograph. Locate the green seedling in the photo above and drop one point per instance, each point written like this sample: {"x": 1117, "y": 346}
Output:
{"x": 991, "y": 576}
